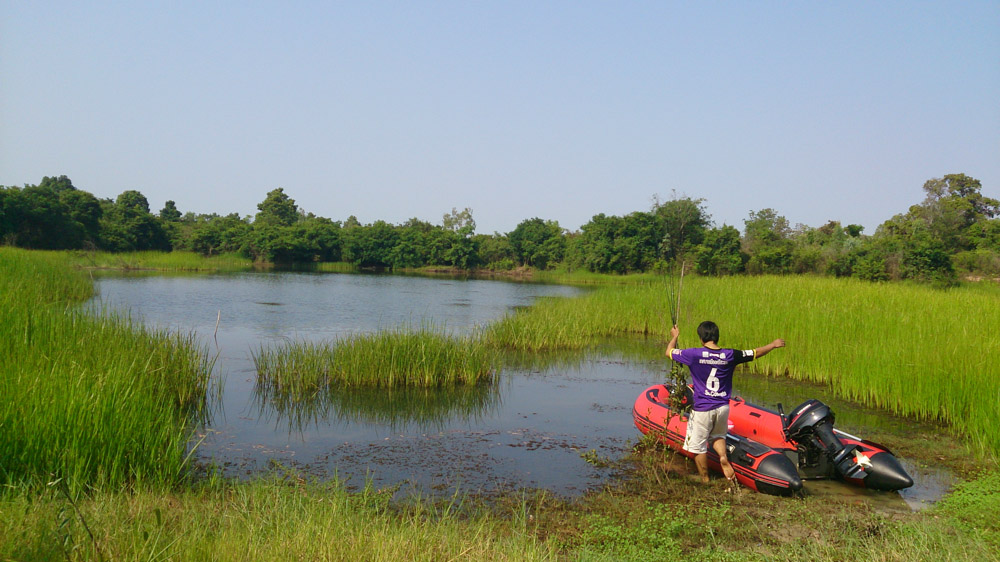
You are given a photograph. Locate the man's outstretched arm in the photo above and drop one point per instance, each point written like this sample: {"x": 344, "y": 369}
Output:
{"x": 764, "y": 350}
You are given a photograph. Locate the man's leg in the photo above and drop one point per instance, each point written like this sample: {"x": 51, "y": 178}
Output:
{"x": 727, "y": 469}
{"x": 701, "y": 461}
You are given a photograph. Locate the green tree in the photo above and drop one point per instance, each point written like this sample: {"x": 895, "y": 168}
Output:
{"x": 133, "y": 201}
{"x": 457, "y": 220}
{"x": 437, "y": 242}
{"x": 910, "y": 249}
{"x": 926, "y": 242}
{"x": 639, "y": 242}
{"x": 595, "y": 247}
{"x": 84, "y": 212}
{"x": 38, "y": 219}
{"x": 968, "y": 189}
{"x": 214, "y": 235}
{"x": 410, "y": 249}
{"x": 323, "y": 238}
{"x": 371, "y": 245}
{"x": 766, "y": 241}
{"x": 464, "y": 250}
{"x": 495, "y": 251}
{"x": 51, "y": 215}
{"x": 537, "y": 243}
{"x": 719, "y": 253}
{"x": 57, "y": 184}
{"x": 169, "y": 212}
{"x": 277, "y": 209}
{"x": 5, "y": 220}
{"x": 127, "y": 225}
{"x": 870, "y": 262}
{"x": 684, "y": 222}
{"x": 954, "y": 204}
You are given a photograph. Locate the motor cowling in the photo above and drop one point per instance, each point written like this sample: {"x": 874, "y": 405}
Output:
{"x": 811, "y": 424}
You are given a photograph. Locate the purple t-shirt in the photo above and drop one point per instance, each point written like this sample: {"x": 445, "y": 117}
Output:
{"x": 711, "y": 373}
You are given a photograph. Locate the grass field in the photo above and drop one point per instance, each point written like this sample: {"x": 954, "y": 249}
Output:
{"x": 654, "y": 516}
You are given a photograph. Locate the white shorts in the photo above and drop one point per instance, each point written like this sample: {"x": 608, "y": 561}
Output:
{"x": 704, "y": 427}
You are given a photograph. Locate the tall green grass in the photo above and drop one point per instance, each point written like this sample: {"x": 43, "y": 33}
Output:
{"x": 424, "y": 357}
{"x": 910, "y": 349}
{"x": 265, "y": 519}
{"x": 559, "y": 323}
{"x": 95, "y": 400}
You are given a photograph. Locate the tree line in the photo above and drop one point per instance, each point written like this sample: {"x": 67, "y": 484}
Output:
{"x": 955, "y": 229}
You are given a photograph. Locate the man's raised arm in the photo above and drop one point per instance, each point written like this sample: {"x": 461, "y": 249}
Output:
{"x": 672, "y": 344}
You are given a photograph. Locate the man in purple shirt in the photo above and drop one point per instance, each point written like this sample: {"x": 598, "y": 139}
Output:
{"x": 712, "y": 377}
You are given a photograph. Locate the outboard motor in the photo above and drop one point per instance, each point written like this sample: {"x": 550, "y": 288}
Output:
{"x": 811, "y": 423}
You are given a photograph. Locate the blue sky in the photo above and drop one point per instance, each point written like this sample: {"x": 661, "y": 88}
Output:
{"x": 558, "y": 110}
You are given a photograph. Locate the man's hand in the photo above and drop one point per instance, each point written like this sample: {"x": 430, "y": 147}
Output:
{"x": 762, "y": 351}
{"x": 674, "y": 333}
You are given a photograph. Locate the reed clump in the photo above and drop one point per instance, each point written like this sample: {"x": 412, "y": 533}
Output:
{"x": 94, "y": 400}
{"x": 425, "y": 357}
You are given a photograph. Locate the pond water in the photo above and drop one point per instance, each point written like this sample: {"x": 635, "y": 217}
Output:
{"x": 528, "y": 430}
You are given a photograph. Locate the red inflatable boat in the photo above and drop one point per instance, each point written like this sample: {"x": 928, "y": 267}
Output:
{"x": 757, "y": 466}
{"x": 771, "y": 452}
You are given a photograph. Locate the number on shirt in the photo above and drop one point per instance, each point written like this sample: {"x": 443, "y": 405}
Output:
{"x": 712, "y": 383}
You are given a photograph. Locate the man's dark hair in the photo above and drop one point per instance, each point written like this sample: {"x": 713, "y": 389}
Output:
{"x": 708, "y": 331}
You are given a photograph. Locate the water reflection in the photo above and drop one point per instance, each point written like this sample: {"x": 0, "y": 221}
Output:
{"x": 423, "y": 408}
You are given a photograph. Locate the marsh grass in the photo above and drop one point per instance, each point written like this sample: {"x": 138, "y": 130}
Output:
{"x": 95, "y": 400}
{"x": 560, "y": 323}
{"x": 909, "y": 349}
{"x": 402, "y": 357}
